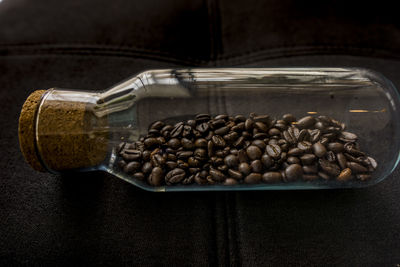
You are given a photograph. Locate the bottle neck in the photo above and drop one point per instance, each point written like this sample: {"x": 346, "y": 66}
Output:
{"x": 68, "y": 134}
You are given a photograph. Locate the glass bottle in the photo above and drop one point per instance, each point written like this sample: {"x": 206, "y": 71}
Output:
{"x": 259, "y": 129}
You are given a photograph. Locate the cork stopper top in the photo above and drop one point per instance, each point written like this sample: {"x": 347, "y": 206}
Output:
{"x": 26, "y": 130}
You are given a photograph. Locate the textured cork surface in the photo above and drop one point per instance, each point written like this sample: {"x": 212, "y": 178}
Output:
{"x": 26, "y": 129}
{"x": 70, "y": 136}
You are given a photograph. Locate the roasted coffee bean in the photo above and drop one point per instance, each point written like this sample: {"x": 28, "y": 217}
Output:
{"x": 222, "y": 168}
{"x": 295, "y": 132}
{"x": 289, "y": 118}
{"x": 171, "y": 165}
{"x": 252, "y": 178}
{"x": 260, "y": 136}
{"x": 200, "y": 179}
{"x": 200, "y": 154}
{"x": 320, "y": 125}
{"x": 310, "y": 169}
{"x": 330, "y": 156}
{"x": 218, "y": 141}
{"x": 305, "y": 146}
{"x": 231, "y": 161}
{"x": 244, "y": 168}
{"x": 203, "y": 127}
{"x": 177, "y": 130}
{"x": 274, "y": 131}
{"x": 166, "y": 128}
{"x": 356, "y": 168}
{"x": 239, "y": 142}
{"x": 157, "y": 160}
{"x": 201, "y": 142}
{"x": 221, "y": 117}
{"x": 217, "y": 175}
{"x": 238, "y": 127}
{"x": 138, "y": 176}
{"x": 132, "y": 167}
{"x": 303, "y": 136}
{"x": 230, "y": 181}
{"x": 235, "y": 174}
{"x": 184, "y": 154}
{"x": 182, "y": 164}
{"x": 347, "y": 137}
{"x": 188, "y": 180}
{"x": 335, "y": 147}
{"x": 120, "y": 147}
{"x": 263, "y": 118}
{"x": 242, "y": 156}
{"x": 187, "y": 144}
{"x": 288, "y": 137}
{"x": 293, "y": 172}
{"x": 272, "y": 177}
{"x": 193, "y": 162}
{"x": 274, "y": 151}
{"x": 273, "y": 142}
{"x": 262, "y": 127}
{"x": 352, "y": 150}
{"x": 157, "y": 125}
{"x": 344, "y": 175}
{"x": 217, "y": 123}
{"x": 231, "y": 137}
{"x": 156, "y": 176}
{"x": 305, "y": 122}
{"x": 315, "y": 135}
{"x": 293, "y": 160}
{"x": 239, "y": 118}
{"x": 222, "y": 131}
{"x": 253, "y": 152}
{"x": 319, "y": 149}
{"x": 310, "y": 177}
{"x": 295, "y": 152}
{"x": 329, "y": 168}
{"x": 259, "y": 143}
{"x": 352, "y": 158}
{"x": 234, "y": 151}
{"x": 202, "y": 117}
{"x": 187, "y": 130}
{"x": 256, "y": 166}
{"x": 175, "y": 176}
{"x": 341, "y": 160}
{"x": 363, "y": 177}
{"x": 191, "y": 123}
{"x": 153, "y": 132}
{"x": 130, "y": 155}
{"x": 147, "y": 167}
{"x": 324, "y": 175}
{"x": 248, "y": 124}
{"x": 324, "y": 141}
{"x": 121, "y": 164}
{"x": 307, "y": 159}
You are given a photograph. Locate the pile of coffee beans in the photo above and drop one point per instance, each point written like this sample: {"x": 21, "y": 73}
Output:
{"x": 229, "y": 150}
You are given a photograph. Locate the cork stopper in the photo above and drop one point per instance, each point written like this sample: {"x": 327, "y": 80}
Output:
{"x": 26, "y": 130}
{"x": 62, "y": 133}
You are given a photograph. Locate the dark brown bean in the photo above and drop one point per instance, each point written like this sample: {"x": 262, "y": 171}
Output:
{"x": 335, "y": 147}
{"x": 305, "y": 146}
{"x": 231, "y": 137}
{"x": 248, "y": 124}
{"x": 230, "y": 181}
{"x": 293, "y": 160}
{"x": 307, "y": 159}
{"x": 256, "y": 166}
{"x": 324, "y": 175}
{"x": 310, "y": 177}
{"x": 132, "y": 167}
{"x": 319, "y": 149}
{"x": 201, "y": 142}
{"x": 262, "y": 127}
{"x": 174, "y": 143}
{"x": 222, "y": 131}
{"x": 184, "y": 154}
{"x": 252, "y": 178}
{"x": 177, "y": 130}
{"x": 289, "y": 118}
{"x": 203, "y": 127}
{"x": 217, "y": 175}
{"x": 293, "y": 172}
{"x": 274, "y": 151}
{"x": 202, "y": 117}
{"x": 200, "y": 154}
{"x": 310, "y": 168}
{"x": 329, "y": 168}
{"x": 356, "y": 168}
{"x": 253, "y": 152}
{"x": 305, "y": 122}
{"x": 187, "y": 144}
{"x": 156, "y": 176}
{"x": 235, "y": 174}
{"x": 272, "y": 177}
{"x": 261, "y": 144}
{"x": 138, "y": 176}
{"x": 341, "y": 160}
{"x": 231, "y": 161}
{"x": 363, "y": 177}
{"x": 288, "y": 137}
{"x": 171, "y": 165}
{"x": 218, "y": 141}
{"x": 175, "y": 176}
{"x": 147, "y": 167}
{"x": 131, "y": 154}
{"x": 244, "y": 168}
{"x": 295, "y": 152}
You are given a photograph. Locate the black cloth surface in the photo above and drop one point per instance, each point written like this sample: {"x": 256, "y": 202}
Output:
{"x": 97, "y": 219}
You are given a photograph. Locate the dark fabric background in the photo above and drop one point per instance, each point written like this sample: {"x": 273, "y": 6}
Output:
{"x": 88, "y": 219}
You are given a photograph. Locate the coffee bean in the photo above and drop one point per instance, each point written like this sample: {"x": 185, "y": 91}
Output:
{"x": 248, "y": 124}
{"x": 156, "y": 176}
{"x": 239, "y": 118}
{"x": 262, "y": 127}
{"x": 171, "y": 165}
{"x": 344, "y": 175}
{"x": 182, "y": 164}
{"x": 310, "y": 177}
{"x": 315, "y": 135}
{"x": 222, "y": 168}
{"x": 139, "y": 176}
{"x": 221, "y": 117}
{"x": 131, "y": 154}
{"x": 131, "y": 167}
{"x": 347, "y": 137}
{"x": 260, "y": 136}
{"x": 222, "y": 131}
{"x": 335, "y": 147}
{"x": 218, "y": 141}
{"x": 319, "y": 149}
{"x": 256, "y": 166}
{"x": 341, "y": 160}
{"x": 184, "y": 154}
{"x": 273, "y": 151}
{"x": 157, "y": 125}
{"x": 203, "y": 127}
{"x": 235, "y": 174}
{"x": 329, "y": 168}
{"x": 121, "y": 164}
{"x": 177, "y": 130}
{"x": 244, "y": 168}
{"x": 167, "y": 128}
{"x": 202, "y": 117}
{"x": 230, "y": 181}
{"x": 263, "y": 118}
{"x": 147, "y": 167}
{"x": 239, "y": 127}
{"x": 252, "y": 178}
{"x": 253, "y": 152}
{"x": 217, "y": 123}
{"x": 330, "y": 156}
{"x": 293, "y": 160}
{"x": 120, "y": 147}
{"x": 175, "y": 176}
{"x": 352, "y": 150}
{"x": 293, "y": 172}
{"x": 231, "y": 137}
{"x": 272, "y": 177}
{"x": 242, "y": 156}
{"x": 303, "y": 136}
{"x": 217, "y": 175}
{"x": 356, "y": 168}
{"x": 274, "y": 131}
{"x": 187, "y": 144}
{"x": 295, "y": 152}
{"x": 307, "y": 159}
{"x": 288, "y": 137}
{"x": 289, "y": 118}
{"x": 305, "y": 146}
{"x": 201, "y": 142}
{"x": 305, "y": 122}
{"x": 231, "y": 161}
{"x": 310, "y": 169}
{"x": 188, "y": 180}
